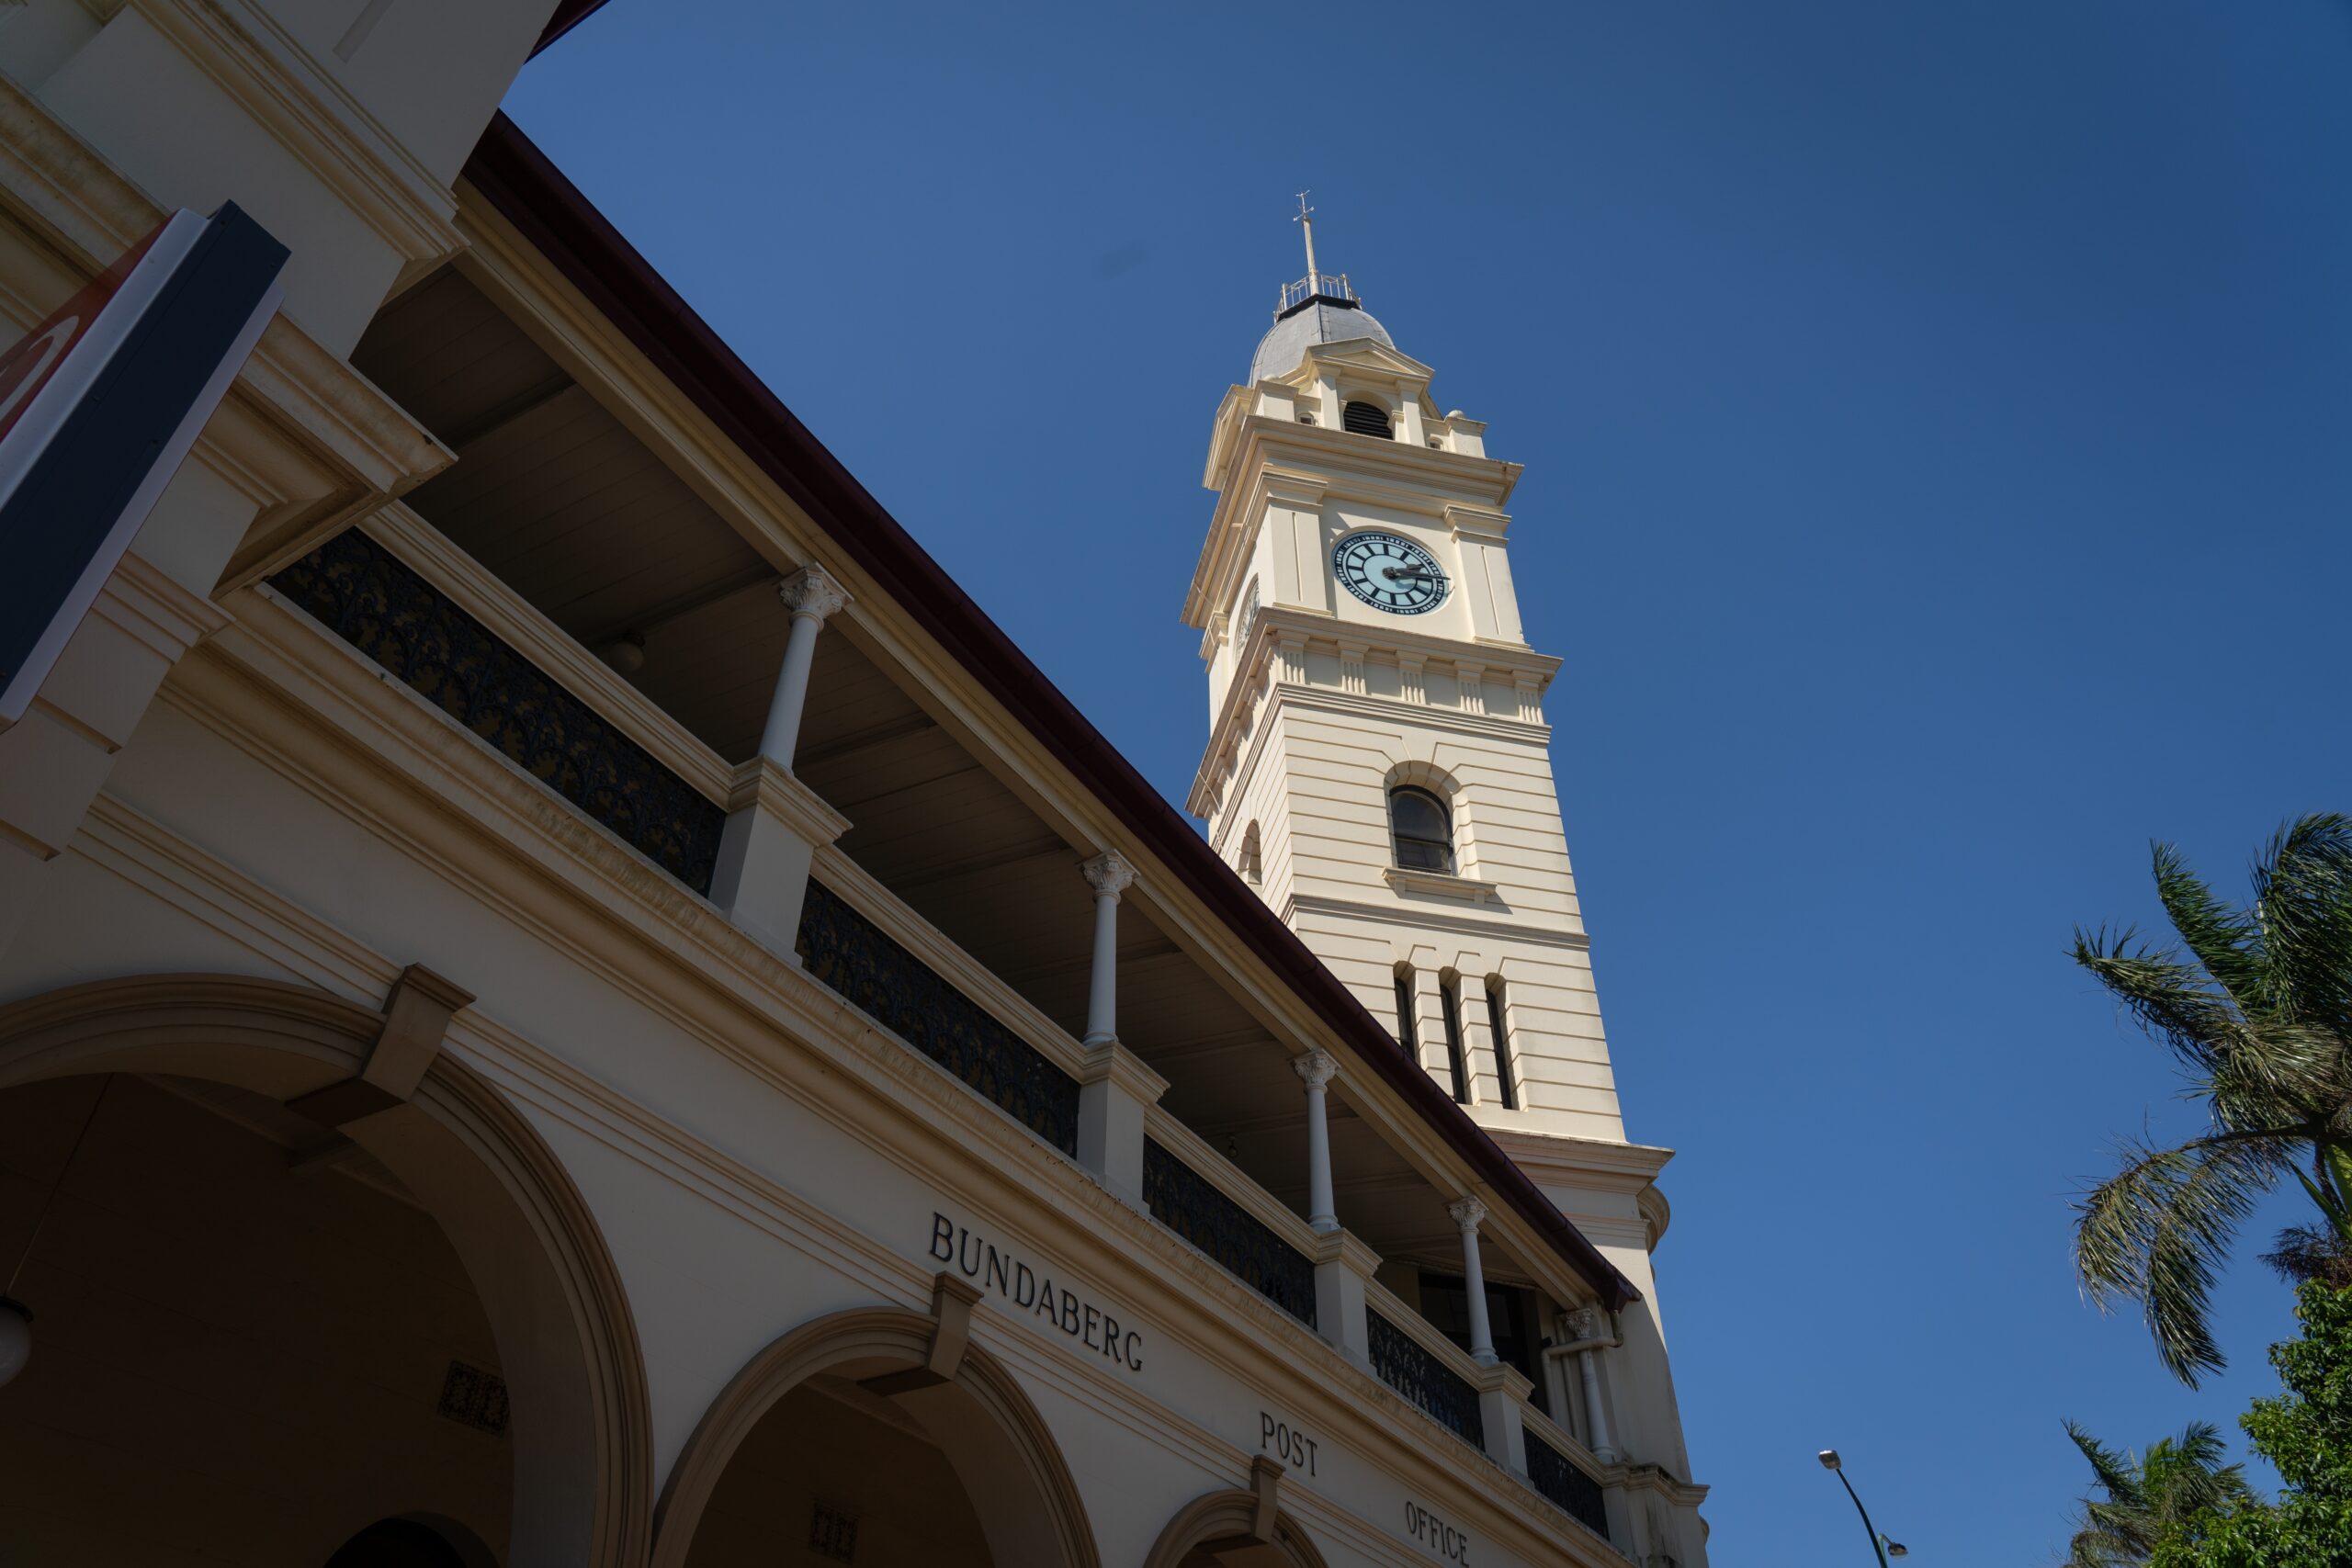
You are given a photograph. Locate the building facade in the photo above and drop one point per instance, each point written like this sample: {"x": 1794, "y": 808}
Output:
{"x": 566, "y": 998}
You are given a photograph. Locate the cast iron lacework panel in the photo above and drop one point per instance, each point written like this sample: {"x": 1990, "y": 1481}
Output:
{"x": 1577, "y": 1494}
{"x": 1183, "y": 1201}
{"x": 896, "y": 989}
{"x": 1406, "y": 1365}
{"x": 360, "y": 591}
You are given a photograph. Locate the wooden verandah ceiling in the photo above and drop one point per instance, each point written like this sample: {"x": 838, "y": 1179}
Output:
{"x": 557, "y": 498}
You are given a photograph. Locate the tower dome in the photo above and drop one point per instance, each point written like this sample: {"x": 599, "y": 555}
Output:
{"x": 1321, "y": 318}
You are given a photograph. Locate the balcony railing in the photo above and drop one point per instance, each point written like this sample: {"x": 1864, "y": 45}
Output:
{"x": 1559, "y": 1479}
{"x": 1188, "y": 1204}
{"x": 1316, "y": 285}
{"x": 874, "y": 975}
{"x": 1421, "y": 1375}
{"x": 362, "y": 594}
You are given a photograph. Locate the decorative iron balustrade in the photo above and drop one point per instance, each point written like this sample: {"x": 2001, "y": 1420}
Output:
{"x": 1184, "y": 1201}
{"x": 371, "y": 599}
{"x": 1577, "y": 1494}
{"x": 850, "y": 953}
{"x": 1405, "y": 1364}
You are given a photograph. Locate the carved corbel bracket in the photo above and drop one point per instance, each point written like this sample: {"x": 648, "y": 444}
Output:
{"x": 416, "y": 1021}
{"x": 952, "y": 1301}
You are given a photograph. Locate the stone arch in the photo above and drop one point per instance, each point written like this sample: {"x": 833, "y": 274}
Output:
{"x": 1244, "y": 1527}
{"x": 583, "y": 1429}
{"x": 1000, "y": 1446}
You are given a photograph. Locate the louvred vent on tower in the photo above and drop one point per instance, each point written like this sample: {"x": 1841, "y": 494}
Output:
{"x": 1365, "y": 419}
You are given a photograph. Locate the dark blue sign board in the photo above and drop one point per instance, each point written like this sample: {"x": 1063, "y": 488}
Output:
{"x": 99, "y": 406}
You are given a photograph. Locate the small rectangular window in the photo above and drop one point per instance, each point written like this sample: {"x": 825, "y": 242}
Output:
{"x": 1454, "y": 1043}
{"x": 1405, "y": 1014}
{"x": 1504, "y": 1075}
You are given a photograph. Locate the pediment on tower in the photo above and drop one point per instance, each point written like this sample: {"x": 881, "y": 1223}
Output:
{"x": 1360, "y": 356}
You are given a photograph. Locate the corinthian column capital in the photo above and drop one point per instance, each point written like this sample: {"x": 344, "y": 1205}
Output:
{"x": 1318, "y": 1067}
{"x": 1468, "y": 1213}
{"x": 1108, "y": 873}
{"x": 811, "y": 591}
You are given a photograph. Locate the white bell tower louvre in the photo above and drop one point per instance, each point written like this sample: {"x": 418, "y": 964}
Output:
{"x": 1378, "y": 766}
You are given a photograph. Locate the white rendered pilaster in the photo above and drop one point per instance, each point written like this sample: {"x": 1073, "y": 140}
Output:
{"x": 775, "y": 825}
{"x": 1115, "y": 1090}
{"x": 1343, "y": 1270}
{"x": 812, "y": 596}
{"x": 1468, "y": 1215}
{"x": 1315, "y": 1069}
{"x": 1108, "y": 875}
{"x": 1502, "y": 1396}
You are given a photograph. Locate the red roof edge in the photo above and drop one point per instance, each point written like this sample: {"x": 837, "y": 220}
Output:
{"x": 568, "y": 15}
{"x": 533, "y": 194}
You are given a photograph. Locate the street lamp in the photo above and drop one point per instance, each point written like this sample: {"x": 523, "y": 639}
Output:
{"x": 1879, "y": 1543}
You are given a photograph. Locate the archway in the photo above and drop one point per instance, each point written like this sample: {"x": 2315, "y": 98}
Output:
{"x": 1240, "y": 1528}
{"x": 497, "y": 1200}
{"x": 830, "y": 1430}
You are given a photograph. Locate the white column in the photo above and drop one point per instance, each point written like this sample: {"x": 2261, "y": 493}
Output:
{"x": 1109, "y": 876}
{"x": 811, "y": 595}
{"x": 1316, "y": 1069}
{"x": 1596, "y": 1415}
{"x": 1589, "y": 1327}
{"x": 1468, "y": 1213}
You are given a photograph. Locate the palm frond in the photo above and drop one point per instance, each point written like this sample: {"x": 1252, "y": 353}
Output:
{"x": 2176, "y": 1002}
{"x": 2302, "y": 905}
{"x": 2157, "y": 1231}
{"x": 2226, "y": 942}
{"x": 2118, "y": 1473}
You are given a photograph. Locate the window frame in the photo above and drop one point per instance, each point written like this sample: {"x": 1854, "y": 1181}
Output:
{"x": 1451, "y": 862}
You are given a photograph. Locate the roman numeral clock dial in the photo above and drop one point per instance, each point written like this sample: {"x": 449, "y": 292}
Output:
{"x": 1389, "y": 573}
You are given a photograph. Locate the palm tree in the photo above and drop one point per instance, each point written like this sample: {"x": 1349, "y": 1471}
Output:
{"x": 2258, "y": 1012}
{"x": 2138, "y": 1499}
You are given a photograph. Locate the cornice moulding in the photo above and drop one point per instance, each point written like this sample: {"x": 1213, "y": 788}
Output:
{"x": 317, "y": 120}
{"x": 1623, "y": 1168}
{"x": 1487, "y": 929}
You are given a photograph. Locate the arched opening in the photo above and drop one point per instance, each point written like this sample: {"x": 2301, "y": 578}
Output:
{"x": 1420, "y": 830}
{"x": 1365, "y": 419}
{"x": 300, "y": 1337}
{"x": 414, "y": 1542}
{"x": 1240, "y": 1528}
{"x": 878, "y": 1436}
{"x": 1250, "y": 861}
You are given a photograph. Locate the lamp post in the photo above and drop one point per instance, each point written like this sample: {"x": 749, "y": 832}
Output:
{"x": 1879, "y": 1543}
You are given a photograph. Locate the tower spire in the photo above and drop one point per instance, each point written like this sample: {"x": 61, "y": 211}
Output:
{"x": 1306, "y": 220}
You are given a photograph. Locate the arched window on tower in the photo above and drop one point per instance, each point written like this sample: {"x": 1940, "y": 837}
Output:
{"x": 1365, "y": 419}
{"x": 1248, "y": 866}
{"x": 1421, "y": 831}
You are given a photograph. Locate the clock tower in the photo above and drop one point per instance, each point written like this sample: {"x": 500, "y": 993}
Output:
{"x": 1379, "y": 767}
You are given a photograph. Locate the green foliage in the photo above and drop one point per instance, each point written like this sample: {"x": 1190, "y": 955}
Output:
{"x": 2256, "y": 1005}
{"x": 2306, "y": 1433}
{"x": 2140, "y": 1502}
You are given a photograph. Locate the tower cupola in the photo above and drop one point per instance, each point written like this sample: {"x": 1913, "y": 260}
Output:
{"x": 1319, "y": 308}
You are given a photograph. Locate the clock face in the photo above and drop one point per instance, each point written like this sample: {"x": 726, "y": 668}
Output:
{"x": 1389, "y": 573}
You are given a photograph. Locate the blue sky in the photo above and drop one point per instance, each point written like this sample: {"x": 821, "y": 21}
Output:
{"x": 1936, "y": 484}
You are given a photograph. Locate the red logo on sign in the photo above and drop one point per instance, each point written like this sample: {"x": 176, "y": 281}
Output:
{"x": 27, "y": 365}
